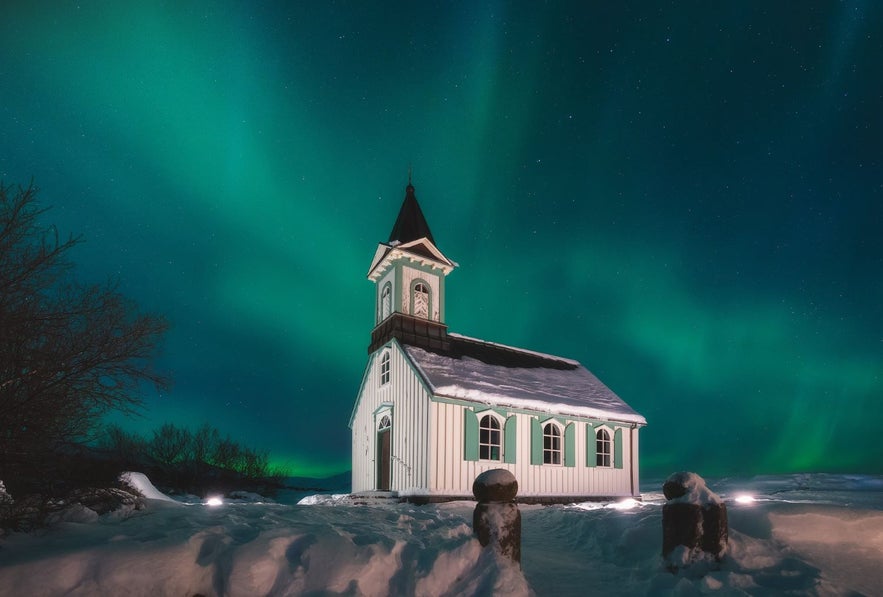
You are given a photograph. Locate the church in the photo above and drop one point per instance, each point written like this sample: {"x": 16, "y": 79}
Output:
{"x": 435, "y": 409}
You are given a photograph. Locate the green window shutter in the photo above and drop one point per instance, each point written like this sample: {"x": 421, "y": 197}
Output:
{"x": 509, "y": 443}
{"x": 570, "y": 445}
{"x": 617, "y": 448}
{"x": 591, "y": 446}
{"x": 470, "y": 435}
{"x": 536, "y": 442}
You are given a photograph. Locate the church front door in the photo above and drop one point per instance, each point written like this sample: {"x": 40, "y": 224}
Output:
{"x": 383, "y": 460}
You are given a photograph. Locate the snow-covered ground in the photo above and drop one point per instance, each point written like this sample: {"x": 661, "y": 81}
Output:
{"x": 804, "y": 534}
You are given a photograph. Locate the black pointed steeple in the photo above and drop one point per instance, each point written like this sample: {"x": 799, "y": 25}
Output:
{"x": 410, "y": 225}
{"x": 409, "y": 272}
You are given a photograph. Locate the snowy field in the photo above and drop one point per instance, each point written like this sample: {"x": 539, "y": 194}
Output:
{"x": 801, "y": 535}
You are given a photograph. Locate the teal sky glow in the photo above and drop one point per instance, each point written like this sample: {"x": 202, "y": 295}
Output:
{"x": 687, "y": 200}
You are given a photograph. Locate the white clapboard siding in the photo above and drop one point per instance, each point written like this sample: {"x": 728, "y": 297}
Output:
{"x": 410, "y": 406}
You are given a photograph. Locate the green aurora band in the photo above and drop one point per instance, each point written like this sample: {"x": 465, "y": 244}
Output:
{"x": 688, "y": 201}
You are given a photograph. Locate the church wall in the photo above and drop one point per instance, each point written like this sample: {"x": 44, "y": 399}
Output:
{"x": 407, "y": 402}
{"x": 452, "y": 474}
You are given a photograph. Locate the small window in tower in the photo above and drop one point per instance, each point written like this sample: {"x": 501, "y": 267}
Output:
{"x": 385, "y": 302}
{"x": 384, "y": 369}
{"x": 421, "y": 300}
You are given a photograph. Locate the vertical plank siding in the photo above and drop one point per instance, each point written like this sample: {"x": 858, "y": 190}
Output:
{"x": 451, "y": 474}
{"x": 410, "y": 426}
{"x": 427, "y": 447}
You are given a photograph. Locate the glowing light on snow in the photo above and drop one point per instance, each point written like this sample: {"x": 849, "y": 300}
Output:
{"x": 744, "y": 498}
{"x": 626, "y": 504}
{"x": 214, "y": 501}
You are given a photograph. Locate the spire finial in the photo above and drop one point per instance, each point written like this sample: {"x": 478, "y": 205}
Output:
{"x": 409, "y": 175}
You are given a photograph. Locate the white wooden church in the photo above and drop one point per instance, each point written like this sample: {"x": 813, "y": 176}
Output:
{"x": 435, "y": 409}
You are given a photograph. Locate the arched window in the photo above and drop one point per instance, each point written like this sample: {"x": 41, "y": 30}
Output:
{"x": 551, "y": 444}
{"x": 603, "y": 448}
{"x": 384, "y": 424}
{"x": 385, "y": 301}
{"x": 421, "y": 300}
{"x": 384, "y": 369}
{"x": 489, "y": 438}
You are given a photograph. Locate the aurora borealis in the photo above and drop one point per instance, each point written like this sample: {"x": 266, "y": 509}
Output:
{"x": 686, "y": 198}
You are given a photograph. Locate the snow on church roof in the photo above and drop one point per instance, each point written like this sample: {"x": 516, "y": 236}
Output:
{"x": 505, "y": 376}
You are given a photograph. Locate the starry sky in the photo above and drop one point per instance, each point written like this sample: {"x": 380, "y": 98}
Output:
{"x": 686, "y": 197}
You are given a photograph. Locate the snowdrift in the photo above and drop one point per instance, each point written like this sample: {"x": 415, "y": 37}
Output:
{"x": 245, "y": 548}
{"x": 807, "y": 535}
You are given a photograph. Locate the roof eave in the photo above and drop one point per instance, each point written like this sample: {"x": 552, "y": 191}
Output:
{"x": 380, "y": 266}
{"x": 565, "y": 410}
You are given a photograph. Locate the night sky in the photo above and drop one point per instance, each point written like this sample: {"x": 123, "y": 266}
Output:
{"x": 686, "y": 197}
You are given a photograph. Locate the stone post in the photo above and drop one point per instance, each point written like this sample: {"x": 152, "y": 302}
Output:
{"x": 497, "y": 519}
{"x": 694, "y": 519}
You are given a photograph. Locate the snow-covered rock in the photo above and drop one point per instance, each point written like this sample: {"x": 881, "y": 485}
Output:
{"x": 5, "y": 498}
{"x": 689, "y": 488}
{"x": 140, "y": 482}
{"x": 248, "y": 497}
{"x": 75, "y": 512}
{"x": 325, "y": 499}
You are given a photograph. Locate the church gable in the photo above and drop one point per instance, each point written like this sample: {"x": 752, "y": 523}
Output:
{"x": 388, "y": 367}
{"x": 424, "y": 248}
{"x": 389, "y": 423}
{"x": 381, "y": 252}
{"x": 419, "y": 253}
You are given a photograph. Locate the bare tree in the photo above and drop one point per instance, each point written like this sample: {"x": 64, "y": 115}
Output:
{"x": 124, "y": 445}
{"x": 69, "y": 352}
{"x": 204, "y": 443}
{"x": 227, "y": 454}
{"x": 170, "y": 444}
{"x": 255, "y": 464}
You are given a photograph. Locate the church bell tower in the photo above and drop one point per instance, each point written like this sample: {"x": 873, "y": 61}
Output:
{"x": 409, "y": 273}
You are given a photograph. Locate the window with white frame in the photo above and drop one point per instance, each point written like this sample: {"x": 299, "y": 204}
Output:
{"x": 489, "y": 438}
{"x": 384, "y": 369}
{"x": 551, "y": 444}
{"x": 421, "y": 300}
{"x": 384, "y": 423}
{"x": 603, "y": 448}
